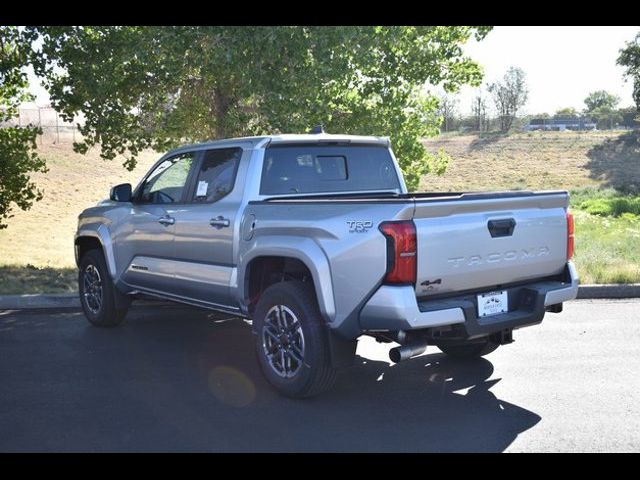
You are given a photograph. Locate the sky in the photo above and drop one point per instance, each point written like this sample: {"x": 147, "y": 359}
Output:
{"x": 562, "y": 64}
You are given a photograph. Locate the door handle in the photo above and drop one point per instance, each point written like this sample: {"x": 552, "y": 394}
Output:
{"x": 167, "y": 220}
{"x": 219, "y": 222}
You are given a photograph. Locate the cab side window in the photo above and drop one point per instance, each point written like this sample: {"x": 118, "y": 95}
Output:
{"x": 217, "y": 174}
{"x": 167, "y": 181}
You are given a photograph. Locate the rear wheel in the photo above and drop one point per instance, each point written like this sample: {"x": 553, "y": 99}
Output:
{"x": 469, "y": 350}
{"x": 292, "y": 343}
{"x": 102, "y": 303}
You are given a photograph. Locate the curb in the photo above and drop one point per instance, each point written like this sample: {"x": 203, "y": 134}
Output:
{"x": 29, "y": 301}
{"x": 56, "y": 301}
{"x": 71, "y": 300}
{"x": 612, "y": 290}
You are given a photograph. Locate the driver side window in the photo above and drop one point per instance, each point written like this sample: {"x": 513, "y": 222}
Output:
{"x": 167, "y": 181}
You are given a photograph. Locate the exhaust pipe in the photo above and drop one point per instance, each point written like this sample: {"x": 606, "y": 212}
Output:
{"x": 405, "y": 352}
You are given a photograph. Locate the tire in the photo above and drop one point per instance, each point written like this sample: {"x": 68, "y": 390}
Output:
{"x": 469, "y": 350}
{"x": 102, "y": 303}
{"x": 296, "y": 304}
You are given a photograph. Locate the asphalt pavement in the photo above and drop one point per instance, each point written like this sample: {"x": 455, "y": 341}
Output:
{"x": 182, "y": 379}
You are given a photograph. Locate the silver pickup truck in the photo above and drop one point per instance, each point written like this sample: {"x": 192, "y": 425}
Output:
{"x": 315, "y": 238}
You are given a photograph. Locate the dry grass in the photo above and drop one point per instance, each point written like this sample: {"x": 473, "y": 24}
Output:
{"x": 19, "y": 279}
{"x": 537, "y": 161}
{"x": 43, "y": 236}
{"x": 607, "y": 248}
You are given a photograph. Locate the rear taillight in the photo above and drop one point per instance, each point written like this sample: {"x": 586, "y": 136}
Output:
{"x": 570, "y": 241}
{"x": 401, "y": 251}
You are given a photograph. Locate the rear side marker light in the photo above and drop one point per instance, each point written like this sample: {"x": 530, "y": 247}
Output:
{"x": 570, "y": 237}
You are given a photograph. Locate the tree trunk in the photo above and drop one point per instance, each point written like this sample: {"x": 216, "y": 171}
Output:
{"x": 508, "y": 121}
{"x": 222, "y": 104}
{"x": 221, "y": 112}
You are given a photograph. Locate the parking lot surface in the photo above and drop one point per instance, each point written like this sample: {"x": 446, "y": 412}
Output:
{"x": 174, "y": 378}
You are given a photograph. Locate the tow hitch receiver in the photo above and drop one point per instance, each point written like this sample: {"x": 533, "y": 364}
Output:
{"x": 503, "y": 337}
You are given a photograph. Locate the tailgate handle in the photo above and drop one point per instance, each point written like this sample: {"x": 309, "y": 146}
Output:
{"x": 501, "y": 228}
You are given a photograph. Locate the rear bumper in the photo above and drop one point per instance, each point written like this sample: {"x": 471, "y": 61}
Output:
{"x": 396, "y": 308}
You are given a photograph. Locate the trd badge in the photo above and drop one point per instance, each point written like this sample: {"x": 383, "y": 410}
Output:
{"x": 359, "y": 226}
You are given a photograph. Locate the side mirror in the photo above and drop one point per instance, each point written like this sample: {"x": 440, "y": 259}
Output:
{"x": 121, "y": 193}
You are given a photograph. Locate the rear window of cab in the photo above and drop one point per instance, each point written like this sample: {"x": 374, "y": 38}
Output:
{"x": 295, "y": 169}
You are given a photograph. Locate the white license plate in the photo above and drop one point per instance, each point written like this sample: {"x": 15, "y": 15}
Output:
{"x": 492, "y": 303}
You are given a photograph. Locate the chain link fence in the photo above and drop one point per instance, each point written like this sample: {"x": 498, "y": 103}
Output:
{"x": 470, "y": 123}
{"x": 54, "y": 129}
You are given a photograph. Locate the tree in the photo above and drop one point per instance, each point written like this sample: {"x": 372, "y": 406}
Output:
{"x": 566, "y": 112}
{"x": 509, "y": 95}
{"x": 479, "y": 110}
{"x": 157, "y": 87}
{"x": 629, "y": 117}
{"x": 605, "y": 117}
{"x": 601, "y": 100}
{"x": 630, "y": 58}
{"x": 18, "y": 159}
{"x": 448, "y": 106}
{"x": 600, "y": 105}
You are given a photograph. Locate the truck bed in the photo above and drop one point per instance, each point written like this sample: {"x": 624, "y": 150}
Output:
{"x": 468, "y": 240}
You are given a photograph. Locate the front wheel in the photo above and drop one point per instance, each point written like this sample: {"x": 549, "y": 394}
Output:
{"x": 469, "y": 350}
{"x": 102, "y": 303}
{"x": 292, "y": 343}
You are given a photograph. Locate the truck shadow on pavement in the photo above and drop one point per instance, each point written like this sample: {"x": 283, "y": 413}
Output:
{"x": 433, "y": 403}
{"x": 178, "y": 379}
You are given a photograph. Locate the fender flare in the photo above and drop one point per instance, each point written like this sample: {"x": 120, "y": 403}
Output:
{"x": 102, "y": 235}
{"x": 300, "y": 248}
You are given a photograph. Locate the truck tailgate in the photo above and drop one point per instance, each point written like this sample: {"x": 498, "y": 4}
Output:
{"x": 477, "y": 241}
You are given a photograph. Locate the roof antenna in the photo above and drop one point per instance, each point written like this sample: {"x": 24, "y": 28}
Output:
{"x": 317, "y": 129}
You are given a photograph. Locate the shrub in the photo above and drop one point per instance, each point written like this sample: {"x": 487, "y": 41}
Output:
{"x": 611, "y": 206}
